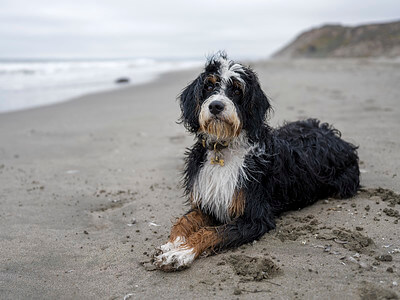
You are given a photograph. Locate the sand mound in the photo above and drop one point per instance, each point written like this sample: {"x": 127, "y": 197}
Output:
{"x": 253, "y": 268}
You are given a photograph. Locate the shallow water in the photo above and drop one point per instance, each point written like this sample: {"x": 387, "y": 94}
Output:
{"x": 31, "y": 83}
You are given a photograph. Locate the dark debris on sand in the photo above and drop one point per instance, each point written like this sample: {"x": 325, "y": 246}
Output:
{"x": 386, "y": 195}
{"x": 253, "y": 268}
{"x": 351, "y": 240}
{"x": 368, "y": 291}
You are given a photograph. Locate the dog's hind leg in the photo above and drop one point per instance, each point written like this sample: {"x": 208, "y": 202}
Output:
{"x": 347, "y": 183}
{"x": 244, "y": 231}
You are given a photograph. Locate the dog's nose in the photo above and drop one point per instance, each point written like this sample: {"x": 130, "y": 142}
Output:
{"x": 216, "y": 107}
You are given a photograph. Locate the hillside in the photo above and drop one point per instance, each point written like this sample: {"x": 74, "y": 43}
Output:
{"x": 372, "y": 40}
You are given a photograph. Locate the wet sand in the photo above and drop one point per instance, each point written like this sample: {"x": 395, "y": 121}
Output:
{"x": 89, "y": 187}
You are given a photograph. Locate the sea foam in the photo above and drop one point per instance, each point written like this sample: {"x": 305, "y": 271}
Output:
{"x": 30, "y": 83}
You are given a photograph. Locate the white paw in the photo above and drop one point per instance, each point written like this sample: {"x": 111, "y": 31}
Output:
{"x": 166, "y": 247}
{"x": 175, "y": 259}
{"x": 175, "y": 244}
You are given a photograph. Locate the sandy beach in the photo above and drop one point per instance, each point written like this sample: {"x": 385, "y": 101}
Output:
{"x": 89, "y": 187}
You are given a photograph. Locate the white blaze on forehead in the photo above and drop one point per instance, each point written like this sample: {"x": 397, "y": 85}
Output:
{"x": 228, "y": 69}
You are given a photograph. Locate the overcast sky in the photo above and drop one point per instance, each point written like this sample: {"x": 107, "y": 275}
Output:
{"x": 170, "y": 28}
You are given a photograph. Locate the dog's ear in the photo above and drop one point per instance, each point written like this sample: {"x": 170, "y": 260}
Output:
{"x": 190, "y": 104}
{"x": 257, "y": 106}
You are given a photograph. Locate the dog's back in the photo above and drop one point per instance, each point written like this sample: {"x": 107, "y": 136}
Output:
{"x": 310, "y": 161}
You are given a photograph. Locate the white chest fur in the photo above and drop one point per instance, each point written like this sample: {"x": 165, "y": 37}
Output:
{"x": 215, "y": 185}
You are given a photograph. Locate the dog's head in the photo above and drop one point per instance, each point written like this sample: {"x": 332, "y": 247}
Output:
{"x": 224, "y": 100}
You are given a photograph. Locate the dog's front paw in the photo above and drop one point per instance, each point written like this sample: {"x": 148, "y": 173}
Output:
{"x": 174, "y": 260}
{"x": 166, "y": 247}
{"x": 180, "y": 240}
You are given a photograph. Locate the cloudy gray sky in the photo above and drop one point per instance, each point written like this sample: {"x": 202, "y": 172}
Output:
{"x": 170, "y": 28}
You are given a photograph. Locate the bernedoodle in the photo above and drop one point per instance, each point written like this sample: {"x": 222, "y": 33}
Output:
{"x": 241, "y": 173}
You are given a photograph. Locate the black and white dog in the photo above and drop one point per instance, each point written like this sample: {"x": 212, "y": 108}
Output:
{"x": 241, "y": 173}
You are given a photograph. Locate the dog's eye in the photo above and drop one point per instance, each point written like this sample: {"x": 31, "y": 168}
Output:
{"x": 237, "y": 91}
{"x": 209, "y": 87}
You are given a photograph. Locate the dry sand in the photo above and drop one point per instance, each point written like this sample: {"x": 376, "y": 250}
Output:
{"x": 89, "y": 187}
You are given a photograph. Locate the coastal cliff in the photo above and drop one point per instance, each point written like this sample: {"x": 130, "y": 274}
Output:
{"x": 372, "y": 40}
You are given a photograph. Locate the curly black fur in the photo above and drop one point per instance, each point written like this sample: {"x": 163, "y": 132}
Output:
{"x": 289, "y": 167}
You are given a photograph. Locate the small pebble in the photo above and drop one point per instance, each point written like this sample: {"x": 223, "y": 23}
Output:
{"x": 384, "y": 257}
{"x": 377, "y": 199}
{"x": 237, "y": 291}
{"x": 149, "y": 267}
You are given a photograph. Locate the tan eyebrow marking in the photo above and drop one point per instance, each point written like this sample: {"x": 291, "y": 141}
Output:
{"x": 212, "y": 78}
{"x": 237, "y": 84}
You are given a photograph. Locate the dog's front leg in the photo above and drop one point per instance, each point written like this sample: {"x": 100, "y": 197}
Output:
{"x": 188, "y": 224}
{"x": 184, "y": 227}
{"x": 181, "y": 257}
{"x": 240, "y": 231}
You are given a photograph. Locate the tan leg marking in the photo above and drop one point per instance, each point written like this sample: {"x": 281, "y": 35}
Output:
{"x": 188, "y": 224}
{"x": 187, "y": 241}
{"x": 202, "y": 240}
{"x": 236, "y": 208}
{"x": 183, "y": 256}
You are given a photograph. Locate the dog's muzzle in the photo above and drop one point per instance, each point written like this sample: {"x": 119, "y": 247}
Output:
{"x": 219, "y": 119}
{"x": 216, "y": 107}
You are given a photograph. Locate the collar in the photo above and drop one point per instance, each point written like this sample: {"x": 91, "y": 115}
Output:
{"x": 215, "y": 145}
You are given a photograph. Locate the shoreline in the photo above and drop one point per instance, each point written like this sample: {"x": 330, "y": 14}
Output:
{"x": 38, "y": 84}
{"x": 91, "y": 186}
{"x": 102, "y": 93}
{"x": 157, "y": 77}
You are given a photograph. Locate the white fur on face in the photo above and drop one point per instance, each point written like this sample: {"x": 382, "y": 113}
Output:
{"x": 215, "y": 185}
{"x": 229, "y": 70}
{"x": 228, "y": 114}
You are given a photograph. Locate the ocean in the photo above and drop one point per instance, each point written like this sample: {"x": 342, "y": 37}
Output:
{"x": 31, "y": 83}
